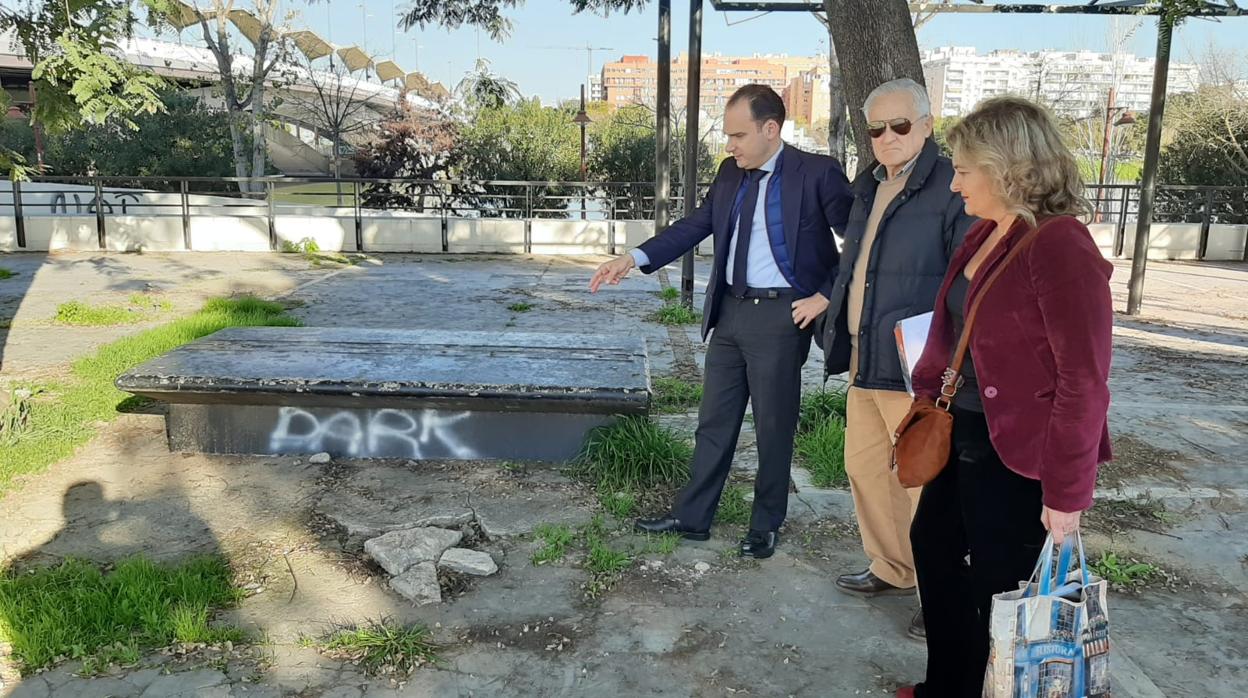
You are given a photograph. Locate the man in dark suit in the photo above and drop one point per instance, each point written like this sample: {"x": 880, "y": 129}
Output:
{"x": 772, "y": 209}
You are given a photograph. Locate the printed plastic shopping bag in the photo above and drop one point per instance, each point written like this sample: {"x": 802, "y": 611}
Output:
{"x": 1050, "y": 639}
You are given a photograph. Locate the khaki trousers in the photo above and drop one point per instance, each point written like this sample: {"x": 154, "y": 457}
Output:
{"x": 883, "y": 506}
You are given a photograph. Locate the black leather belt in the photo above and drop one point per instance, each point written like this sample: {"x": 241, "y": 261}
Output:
{"x": 783, "y": 292}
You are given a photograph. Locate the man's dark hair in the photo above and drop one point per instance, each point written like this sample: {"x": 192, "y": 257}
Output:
{"x": 765, "y": 104}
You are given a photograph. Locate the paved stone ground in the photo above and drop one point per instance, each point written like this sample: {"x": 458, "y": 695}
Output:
{"x": 35, "y": 345}
{"x": 696, "y": 623}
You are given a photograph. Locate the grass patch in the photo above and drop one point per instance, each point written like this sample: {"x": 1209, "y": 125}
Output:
{"x": 670, "y": 293}
{"x": 520, "y": 307}
{"x": 634, "y": 454}
{"x": 311, "y": 251}
{"x": 602, "y": 560}
{"x": 146, "y": 301}
{"x": 604, "y": 563}
{"x": 1123, "y": 573}
{"x": 555, "y": 541}
{"x": 676, "y": 314}
{"x": 676, "y": 394}
{"x": 67, "y": 416}
{"x": 821, "y": 450}
{"x": 304, "y": 246}
{"x": 6, "y": 273}
{"x": 140, "y": 307}
{"x": 734, "y": 510}
{"x": 15, "y": 417}
{"x": 663, "y": 543}
{"x": 621, "y": 505}
{"x": 381, "y": 647}
{"x": 81, "y": 314}
{"x": 818, "y": 406}
{"x": 77, "y": 611}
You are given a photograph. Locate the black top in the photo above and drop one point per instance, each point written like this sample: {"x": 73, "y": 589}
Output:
{"x": 968, "y": 395}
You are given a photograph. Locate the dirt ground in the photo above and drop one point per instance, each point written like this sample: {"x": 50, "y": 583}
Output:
{"x": 697, "y": 622}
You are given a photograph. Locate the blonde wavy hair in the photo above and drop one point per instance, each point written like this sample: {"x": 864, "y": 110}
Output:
{"x": 1017, "y": 143}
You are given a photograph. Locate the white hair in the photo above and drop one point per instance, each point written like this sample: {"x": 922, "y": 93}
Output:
{"x": 918, "y": 94}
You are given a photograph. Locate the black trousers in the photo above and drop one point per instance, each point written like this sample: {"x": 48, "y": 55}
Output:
{"x": 755, "y": 353}
{"x": 979, "y": 507}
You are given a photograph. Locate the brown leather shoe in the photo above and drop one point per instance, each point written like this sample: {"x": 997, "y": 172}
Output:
{"x": 917, "y": 629}
{"x": 866, "y": 584}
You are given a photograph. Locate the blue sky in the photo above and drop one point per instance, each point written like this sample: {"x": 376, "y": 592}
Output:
{"x": 554, "y": 74}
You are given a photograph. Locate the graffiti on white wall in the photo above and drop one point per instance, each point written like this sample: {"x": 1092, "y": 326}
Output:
{"x": 89, "y": 206}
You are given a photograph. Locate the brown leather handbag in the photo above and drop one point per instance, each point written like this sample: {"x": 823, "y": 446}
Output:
{"x": 922, "y": 442}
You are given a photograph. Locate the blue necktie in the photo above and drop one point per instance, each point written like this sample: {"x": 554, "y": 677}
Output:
{"x": 745, "y": 224}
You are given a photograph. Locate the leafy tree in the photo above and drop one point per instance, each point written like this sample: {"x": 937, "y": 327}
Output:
{"x": 242, "y": 89}
{"x": 78, "y": 80}
{"x": 489, "y": 14}
{"x": 622, "y": 149}
{"x": 185, "y": 139}
{"x": 522, "y": 142}
{"x": 1208, "y": 138}
{"x": 414, "y": 143}
{"x": 484, "y": 89}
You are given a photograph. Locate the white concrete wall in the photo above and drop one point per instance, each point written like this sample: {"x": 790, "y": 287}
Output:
{"x": 485, "y": 235}
{"x": 221, "y": 234}
{"x": 401, "y": 232}
{"x": 333, "y": 229}
{"x": 570, "y": 237}
{"x": 1182, "y": 241}
{"x": 144, "y": 233}
{"x": 636, "y": 232}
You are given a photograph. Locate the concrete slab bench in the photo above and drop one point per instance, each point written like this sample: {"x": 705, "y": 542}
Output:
{"x": 372, "y": 393}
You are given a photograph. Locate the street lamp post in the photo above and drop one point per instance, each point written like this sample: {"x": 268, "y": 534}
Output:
{"x": 582, "y": 119}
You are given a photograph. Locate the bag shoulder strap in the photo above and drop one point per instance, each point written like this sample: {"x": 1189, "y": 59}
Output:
{"x": 950, "y": 387}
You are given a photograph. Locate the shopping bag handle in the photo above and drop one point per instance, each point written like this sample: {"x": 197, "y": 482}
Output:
{"x": 1044, "y": 566}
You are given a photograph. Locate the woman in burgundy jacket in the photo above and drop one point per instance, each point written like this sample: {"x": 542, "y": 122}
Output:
{"x": 1029, "y": 420}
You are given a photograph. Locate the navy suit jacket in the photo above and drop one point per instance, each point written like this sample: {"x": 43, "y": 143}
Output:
{"x": 815, "y": 199}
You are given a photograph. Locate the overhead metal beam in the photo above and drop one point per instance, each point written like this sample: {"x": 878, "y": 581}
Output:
{"x": 1130, "y": 7}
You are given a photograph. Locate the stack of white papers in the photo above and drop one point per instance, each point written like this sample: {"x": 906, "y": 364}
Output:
{"x": 911, "y": 336}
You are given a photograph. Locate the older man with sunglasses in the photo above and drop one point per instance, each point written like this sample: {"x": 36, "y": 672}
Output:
{"x": 903, "y": 228}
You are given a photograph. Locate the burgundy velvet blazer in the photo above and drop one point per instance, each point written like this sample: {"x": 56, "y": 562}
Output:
{"x": 1041, "y": 344}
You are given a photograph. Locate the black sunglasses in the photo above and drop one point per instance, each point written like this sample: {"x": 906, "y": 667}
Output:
{"x": 900, "y": 127}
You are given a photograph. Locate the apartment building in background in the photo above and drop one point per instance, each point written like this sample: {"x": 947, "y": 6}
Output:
{"x": 634, "y": 79}
{"x": 1072, "y": 83}
{"x": 808, "y": 97}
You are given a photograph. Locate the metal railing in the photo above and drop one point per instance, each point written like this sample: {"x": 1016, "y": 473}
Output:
{"x": 1206, "y": 205}
{"x": 359, "y": 198}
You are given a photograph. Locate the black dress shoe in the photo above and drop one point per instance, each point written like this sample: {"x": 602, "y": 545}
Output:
{"x": 669, "y": 524}
{"x": 917, "y": 629}
{"x": 866, "y": 584}
{"x": 759, "y": 544}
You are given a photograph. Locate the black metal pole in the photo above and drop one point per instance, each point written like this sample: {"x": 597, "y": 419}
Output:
{"x": 359, "y": 218}
{"x": 692, "y": 91}
{"x": 19, "y": 216}
{"x": 663, "y": 120}
{"x": 185, "y": 202}
{"x": 101, "y": 229}
{"x": 1152, "y": 148}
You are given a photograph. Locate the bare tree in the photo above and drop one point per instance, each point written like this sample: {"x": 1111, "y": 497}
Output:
{"x": 333, "y": 104}
{"x": 838, "y": 124}
{"x": 244, "y": 92}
